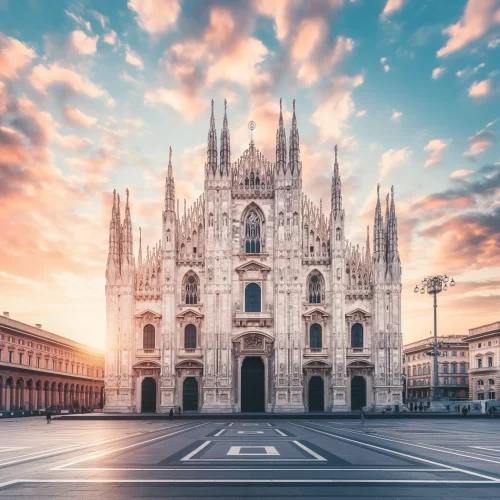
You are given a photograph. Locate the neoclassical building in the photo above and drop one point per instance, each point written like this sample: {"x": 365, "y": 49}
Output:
{"x": 253, "y": 300}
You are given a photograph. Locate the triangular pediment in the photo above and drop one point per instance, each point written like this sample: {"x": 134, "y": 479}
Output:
{"x": 358, "y": 311}
{"x": 253, "y": 265}
{"x": 149, "y": 312}
{"x": 316, "y": 311}
{"x": 189, "y": 312}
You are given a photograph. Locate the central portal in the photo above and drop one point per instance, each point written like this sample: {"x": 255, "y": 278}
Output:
{"x": 253, "y": 385}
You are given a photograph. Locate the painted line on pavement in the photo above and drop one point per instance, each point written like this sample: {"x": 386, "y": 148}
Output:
{"x": 305, "y": 448}
{"x": 108, "y": 452}
{"x": 361, "y": 443}
{"x": 450, "y": 451}
{"x": 232, "y": 469}
{"x": 220, "y": 432}
{"x": 280, "y": 433}
{"x": 67, "y": 449}
{"x": 243, "y": 481}
{"x": 194, "y": 452}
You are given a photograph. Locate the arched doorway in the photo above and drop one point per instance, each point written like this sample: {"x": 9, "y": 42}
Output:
{"x": 316, "y": 394}
{"x": 148, "y": 402}
{"x": 190, "y": 394}
{"x": 252, "y": 385}
{"x": 358, "y": 392}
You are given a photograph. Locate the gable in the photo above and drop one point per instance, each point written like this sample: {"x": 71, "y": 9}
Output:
{"x": 190, "y": 312}
{"x": 253, "y": 265}
{"x": 148, "y": 314}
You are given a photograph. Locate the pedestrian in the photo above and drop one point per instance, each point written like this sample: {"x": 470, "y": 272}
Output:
{"x": 179, "y": 410}
{"x": 491, "y": 411}
{"x": 171, "y": 413}
{"x": 48, "y": 415}
{"x": 464, "y": 411}
{"x": 362, "y": 417}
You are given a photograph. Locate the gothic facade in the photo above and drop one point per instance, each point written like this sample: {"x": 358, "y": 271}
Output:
{"x": 253, "y": 300}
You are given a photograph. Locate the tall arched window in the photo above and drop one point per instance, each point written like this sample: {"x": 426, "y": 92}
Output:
{"x": 190, "y": 337}
{"x": 148, "y": 337}
{"x": 315, "y": 288}
{"x": 357, "y": 336}
{"x": 315, "y": 337}
{"x": 252, "y": 298}
{"x": 253, "y": 233}
{"x": 191, "y": 290}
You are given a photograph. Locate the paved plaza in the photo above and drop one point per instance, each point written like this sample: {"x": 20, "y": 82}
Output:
{"x": 250, "y": 459}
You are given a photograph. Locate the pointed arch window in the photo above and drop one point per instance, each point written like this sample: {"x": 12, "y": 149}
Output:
{"x": 148, "y": 337}
{"x": 253, "y": 233}
{"x": 315, "y": 288}
{"x": 315, "y": 336}
{"x": 357, "y": 336}
{"x": 191, "y": 289}
{"x": 190, "y": 337}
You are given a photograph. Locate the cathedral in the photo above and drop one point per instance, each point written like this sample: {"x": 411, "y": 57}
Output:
{"x": 253, "y": 300}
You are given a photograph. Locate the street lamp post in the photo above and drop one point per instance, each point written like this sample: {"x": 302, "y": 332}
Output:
{"x": 434, "y": 285}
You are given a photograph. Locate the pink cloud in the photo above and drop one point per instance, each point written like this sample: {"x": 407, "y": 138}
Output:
{"x": 14, "y": 57}
{"x": 392, "y": 158}
{"x": 78, "y": 117}
{"x": 335, "y": 109}
{"x": 82, "y": 43}
{"x": 480, "y": 89}
{"x": 110, "y": 38}
{"x": 478, "y": 18}
{"x": 72, "y": 142}
{"x": 435, "y": 149}
{"x": 3, "y": 98}
{"x": 461, "y": 173}
{"x": 44, "y": 77}
{"x": 188, "y": 106}
{"x": 132, "y": 58}
{"x": 155, "y": 16}
{"x": 479, "y": 143}
{"x": 390, "y": 7}
{"x": 437, "y": 72}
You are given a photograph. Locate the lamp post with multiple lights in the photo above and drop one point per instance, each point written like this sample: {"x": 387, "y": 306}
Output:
{"x": 434, "y": 285}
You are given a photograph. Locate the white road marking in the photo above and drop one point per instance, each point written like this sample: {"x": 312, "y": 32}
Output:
{"x": 108, "y": 452}
{"x": 280, "y": 433}
{"x": 184, "y": 481}
{"x": 188, "y": 468}
{"x": 269, "y": 450}
{"x": 450, "y": 451}
{"x": 251, "y": 432}
{"x": 399, "y": 453}
{"x": 305, "y": 448}
{"x": 220, "y": 432}
{"x": 231, "y": 424}
{"x": 486, "y": 448}
{"x": 66, "y": 449}
{"x": 194, "y": 452}
{"x": 268, "y": 424}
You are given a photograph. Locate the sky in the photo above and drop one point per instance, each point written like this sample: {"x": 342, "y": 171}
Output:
{"x": 93, "y": 93}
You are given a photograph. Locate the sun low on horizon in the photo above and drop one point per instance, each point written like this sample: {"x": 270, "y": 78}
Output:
{"x": 94, "y": 94}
